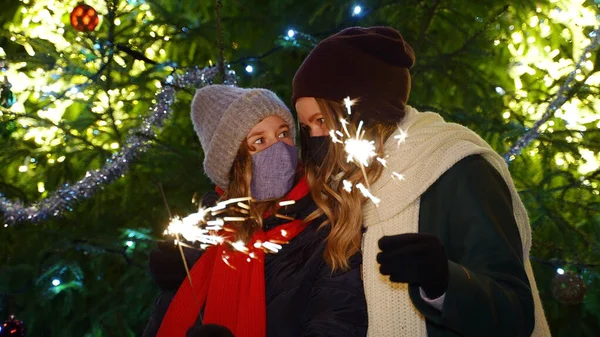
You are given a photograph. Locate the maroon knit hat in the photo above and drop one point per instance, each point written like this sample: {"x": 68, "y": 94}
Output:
{"x": 368, "y": 64}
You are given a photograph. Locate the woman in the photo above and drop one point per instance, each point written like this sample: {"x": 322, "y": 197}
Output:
{"x": 446, "y": 251}
{"x": 248, "y": 140}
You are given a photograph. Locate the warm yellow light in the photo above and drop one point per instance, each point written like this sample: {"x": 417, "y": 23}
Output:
{"x": 517, "y": 37}
{"x": 41, "y": 187}
{"x": 533, "y": 21}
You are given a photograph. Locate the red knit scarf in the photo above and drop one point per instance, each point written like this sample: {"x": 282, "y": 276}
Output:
{"x": 234, "y": 298}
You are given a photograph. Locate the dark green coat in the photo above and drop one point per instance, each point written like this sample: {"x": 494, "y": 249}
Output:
{"x": 469, "y": 209}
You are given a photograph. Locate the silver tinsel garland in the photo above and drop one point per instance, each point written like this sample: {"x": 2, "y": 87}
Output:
{"x": 116, "y": 166}
{"x": 557, "y": 102}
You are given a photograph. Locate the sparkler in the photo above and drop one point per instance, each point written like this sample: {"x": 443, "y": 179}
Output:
{"x": 209, "y": 229}
{"x": 361, "y": 151}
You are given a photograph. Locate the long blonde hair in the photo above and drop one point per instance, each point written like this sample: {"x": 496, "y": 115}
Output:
{"x": 342, "y": 209}
{"x": 240, "y": 177}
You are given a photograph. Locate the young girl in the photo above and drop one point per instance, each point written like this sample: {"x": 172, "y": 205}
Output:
{"x": 446, "y": 253}
{"x": 248, "y": 140}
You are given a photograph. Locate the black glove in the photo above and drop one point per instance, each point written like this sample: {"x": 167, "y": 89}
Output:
{"x": 210, "y": 199}
{"x": 166, "y": 265}
{"x": 209, "y": 330}
{"x": 418, "y": 259}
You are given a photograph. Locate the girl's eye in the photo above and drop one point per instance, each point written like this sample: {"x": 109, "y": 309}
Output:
{"x": 321, "y": 121}
{"x": 284, "y": 134}
{"x": 259, "y": 141}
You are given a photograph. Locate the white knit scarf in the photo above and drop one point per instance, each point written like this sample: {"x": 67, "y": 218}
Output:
{"x": 432, "y": 146}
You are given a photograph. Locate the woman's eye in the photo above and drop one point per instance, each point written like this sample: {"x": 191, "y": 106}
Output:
{"x": 259, "y": 141}
{"x": 321, "y": 121}
{"x": 284, "y": 134}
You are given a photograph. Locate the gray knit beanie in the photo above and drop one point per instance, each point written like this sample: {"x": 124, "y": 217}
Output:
{"x": 223, "y": 116}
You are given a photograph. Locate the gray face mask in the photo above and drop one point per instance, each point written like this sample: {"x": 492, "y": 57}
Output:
{"x": 273, "y": 171}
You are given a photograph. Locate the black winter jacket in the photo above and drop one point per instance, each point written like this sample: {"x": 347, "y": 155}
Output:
{"x": 469, "y": 208}
{"x": 304, "y": 297}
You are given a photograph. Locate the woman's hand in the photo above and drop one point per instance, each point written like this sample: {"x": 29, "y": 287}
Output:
{"x": 416, "y": 259}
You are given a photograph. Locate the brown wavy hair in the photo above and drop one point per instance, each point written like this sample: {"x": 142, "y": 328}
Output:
{"x": 342, "y": 209}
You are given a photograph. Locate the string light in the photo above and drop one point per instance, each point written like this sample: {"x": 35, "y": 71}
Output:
{"x": 560, "y": 271}
{"x": 249, "y": 69}
{"x": 291, "y": 33}
{"x": 56, "y": 282}
{"x": 356, "y": 11}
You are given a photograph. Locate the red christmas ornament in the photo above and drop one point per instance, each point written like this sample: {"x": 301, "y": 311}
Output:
{"x": 84, "y": 18}
{"x": 12, "y": 328}
{"x": 568, "y": 288}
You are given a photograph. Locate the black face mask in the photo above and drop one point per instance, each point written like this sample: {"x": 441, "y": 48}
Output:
{"x": 316, "y": 149}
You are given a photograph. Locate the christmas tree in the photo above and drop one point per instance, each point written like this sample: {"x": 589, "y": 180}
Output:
{"x": 94, "y": 124}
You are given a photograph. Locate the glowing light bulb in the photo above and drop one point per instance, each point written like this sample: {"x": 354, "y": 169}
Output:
{"x": 291, "y": 33}
{"x": 560, "y": 271}
{"x": 249, "y": 69}
{"x": 356, "y": 11}
{"x": 56, "y": 282}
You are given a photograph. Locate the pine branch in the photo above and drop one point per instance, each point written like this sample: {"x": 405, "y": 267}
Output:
{"x": 66, "y": 130}
{"x": 112, "y": 7}
{"x": 556, "y": 263}
{"x": 133, "y": 53}
{"x": 476, "y": 35}
{"x": 428, "y": 19}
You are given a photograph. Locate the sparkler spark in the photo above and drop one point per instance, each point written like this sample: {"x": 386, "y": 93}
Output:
{"x": 360, "y": 150}
{"x": 287, "y": 203}
{"x": 348, "y": 103}
{"x": 382, "y": 161}
{"x": 273, "y": 247}
{"x": 368, "y": 194}
{"x": 397, "y": 175}
{"x": 347, "y": 186}
{"x": 240, "y": 246}
{"x": 401, "y": 136}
